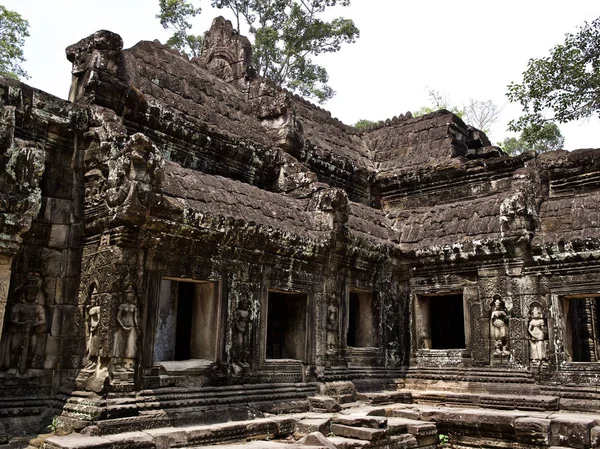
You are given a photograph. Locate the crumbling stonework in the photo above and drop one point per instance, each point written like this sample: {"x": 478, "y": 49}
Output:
{"x": 182, "y": 242}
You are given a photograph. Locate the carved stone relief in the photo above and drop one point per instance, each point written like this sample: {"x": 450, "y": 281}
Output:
{"x": 25, "y": 340}
{"x": 125, "y": 348}
{"x": 93, "y": 339}
{"x": 137, "y": 170}
{"x": 499, "y": 327}
{"x": 538, "y": 336}
{"x": 240, "y": 341}
{"x": 332, "y": 327}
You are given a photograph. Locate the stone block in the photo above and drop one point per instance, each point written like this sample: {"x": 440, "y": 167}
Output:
{"x": 492, "y": 423}
{"x": 59, "y": 236}
{"x": 323, "y": 404}
{"x": 595, "y": 437}
{"x": 405, "y": 441}
{"x": 348, "y": 443}
{"x": 76, "y": 441}
{"x": 572, "y": 430}
{"x": 360, "y": 421}
{"x": 52, "y": 352}
{"x": 344, "y": 392}
{"x": 309, "y": 425}
{"x": 51, "y": 260}
{"x": 403, "y": 412}
{"x": 318, "y": 439}
{"x": 133, "y": 440}
{"x": 403, "y": 397}
{"x": 532, "y": 430}
{"x": 359, "y": 433}
{"x": 166, "y": 437}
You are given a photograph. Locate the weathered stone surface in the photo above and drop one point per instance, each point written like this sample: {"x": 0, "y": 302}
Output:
{"x": 310, "y": 425}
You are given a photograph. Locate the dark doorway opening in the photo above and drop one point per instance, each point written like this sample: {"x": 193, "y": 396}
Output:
{"x": 286, "y": 326}
{"x": 361, "y": 324}
{"x": 447, "y": 322}
{"x": 583, "y": 326}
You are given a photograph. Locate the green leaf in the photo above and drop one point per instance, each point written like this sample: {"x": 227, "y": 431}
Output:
{"x": 563, "y": 86}
{"x": 287, "y": 34}
{"x": 13, "y": 31}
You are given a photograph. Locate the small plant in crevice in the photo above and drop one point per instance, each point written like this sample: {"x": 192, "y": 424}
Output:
{"x": 442, "y": 440}
{"x": 53, "y": 426}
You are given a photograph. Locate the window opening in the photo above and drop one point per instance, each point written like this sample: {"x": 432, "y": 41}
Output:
{"x": 440, "y": 322}
{"x": 188, "y": 321}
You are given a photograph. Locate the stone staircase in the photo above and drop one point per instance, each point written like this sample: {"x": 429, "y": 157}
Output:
{"x": 383, "y": 420}
{"x": 356, "y": 426}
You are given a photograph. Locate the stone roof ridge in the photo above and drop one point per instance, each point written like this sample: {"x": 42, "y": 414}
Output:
{"x": 310, "y": 104}
{"x": 401, "y": 118}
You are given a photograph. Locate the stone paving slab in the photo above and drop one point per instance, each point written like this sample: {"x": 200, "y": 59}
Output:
{"x": 359, "y": 433}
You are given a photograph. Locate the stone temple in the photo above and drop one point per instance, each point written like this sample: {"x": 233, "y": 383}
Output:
{"x": 191, "y": 255}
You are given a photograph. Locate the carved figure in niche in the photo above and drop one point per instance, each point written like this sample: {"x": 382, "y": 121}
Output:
{"x": 95, "y": 188}
{"x": 499, "y": 326}
{"x": 137, "y": 171}
{"x": 538, "y": 335}
{"x": 93, "y": 342}
{"x": 332, "y": 326}
{"x": 28, "y": 321}
{"x": 240, "y": 352}
{"x": 125, "y": 348}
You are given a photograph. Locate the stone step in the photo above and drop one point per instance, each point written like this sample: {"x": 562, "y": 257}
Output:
{"x": 412, "y": 426}
{"x": 262, "y": 428}
{"x": 360, "y": 420}
{"x": 262, "y": 445}
{"x": 533, "y": 428}
{"x": 387, "y": 397}
{"x": 359, "y": 433}
{"x": 496, "y": 401}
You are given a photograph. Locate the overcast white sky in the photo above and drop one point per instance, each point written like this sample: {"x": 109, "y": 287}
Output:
{"x": 465, "y": 48}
